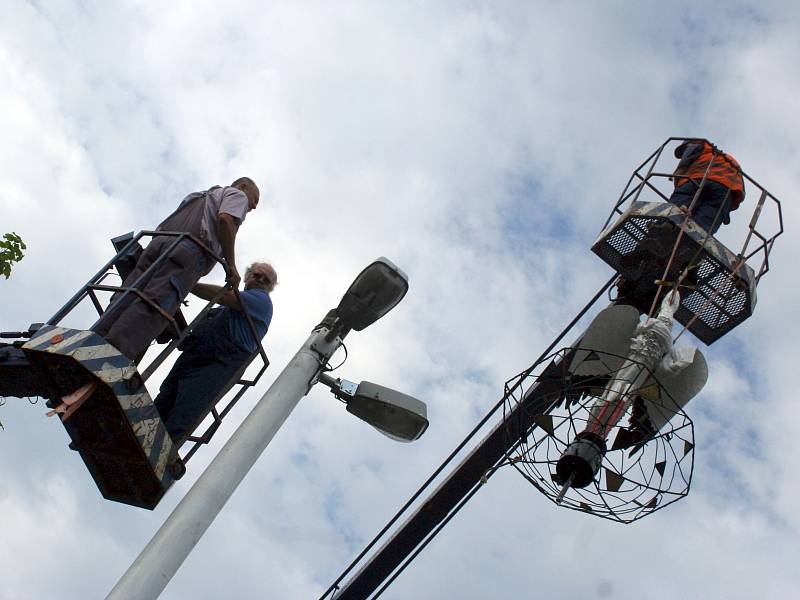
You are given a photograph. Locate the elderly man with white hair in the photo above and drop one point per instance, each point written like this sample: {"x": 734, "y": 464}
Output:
{"x": 215, "y": 350}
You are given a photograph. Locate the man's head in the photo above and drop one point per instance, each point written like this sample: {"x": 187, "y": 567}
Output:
{"x": 260, "y": 275}
{"x": 250, "y": 190}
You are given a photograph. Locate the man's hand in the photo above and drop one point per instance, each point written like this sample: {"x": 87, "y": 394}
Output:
{"x": 233, "y": 278}
{"x": 226, "y": 233}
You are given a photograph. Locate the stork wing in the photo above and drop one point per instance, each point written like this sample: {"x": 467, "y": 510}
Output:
{"x": 607, "y": 341}
{"x": 680, "y": 387}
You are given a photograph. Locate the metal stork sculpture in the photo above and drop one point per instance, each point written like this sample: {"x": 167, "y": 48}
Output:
{"x": 599, "y": 426}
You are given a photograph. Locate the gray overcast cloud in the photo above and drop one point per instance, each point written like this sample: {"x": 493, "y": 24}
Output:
{"x": 480, "y": 146}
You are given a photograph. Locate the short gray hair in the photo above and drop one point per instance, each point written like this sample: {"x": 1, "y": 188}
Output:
{"x": 267, "y": 269}
{"x": 244, "y": 180}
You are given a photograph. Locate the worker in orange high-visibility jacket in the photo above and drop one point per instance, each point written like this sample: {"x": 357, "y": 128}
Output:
{"x": 723, "y": 188}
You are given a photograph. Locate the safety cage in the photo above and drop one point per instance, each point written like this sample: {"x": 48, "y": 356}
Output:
{"x": 653, "y": 244}
{"x": 118, "y": 432}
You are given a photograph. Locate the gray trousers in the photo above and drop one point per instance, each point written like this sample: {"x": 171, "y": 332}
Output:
{"x": 133, "y": 324}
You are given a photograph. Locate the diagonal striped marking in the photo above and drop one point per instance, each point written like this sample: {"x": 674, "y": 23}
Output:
{"x": 144, "y": 412}
{"x": 145, "y": 430}
{"x": 43, "y": 337}
{"x": 113, "y": 374}
{"x": 158, "y": 444}
{"x": 131, "y": 401}
{"x": 85, "y": 353}
{"x": 77, "y": 341}
{"x": 72, "y": 340}
{"x": 120, "y": 388}
{"x": 161, "y": 463}
{"x": 98, "y": 364}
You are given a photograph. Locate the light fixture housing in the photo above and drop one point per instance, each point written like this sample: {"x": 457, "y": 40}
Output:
{"x": 396, "y": 415}
{"x": 376, "y": 291}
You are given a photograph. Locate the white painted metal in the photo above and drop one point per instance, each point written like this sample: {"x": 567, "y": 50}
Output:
{"x": 162, "y": 557}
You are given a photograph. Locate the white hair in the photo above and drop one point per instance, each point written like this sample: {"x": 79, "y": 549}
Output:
{"x": 267, "y": 269}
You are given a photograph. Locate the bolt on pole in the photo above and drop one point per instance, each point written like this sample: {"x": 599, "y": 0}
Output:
{"x": 155, "y": 566}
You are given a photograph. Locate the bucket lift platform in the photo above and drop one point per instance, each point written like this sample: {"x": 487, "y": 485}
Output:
{"x": 115, "y": 426}
{"x": 539, "y": 412}
{"x": 639, "y": 244}
{"x": 117, "y": 432}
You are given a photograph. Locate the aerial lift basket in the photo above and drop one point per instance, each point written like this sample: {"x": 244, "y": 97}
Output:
{"x": 722, "y": 293}
{"x": 118, "y": 433}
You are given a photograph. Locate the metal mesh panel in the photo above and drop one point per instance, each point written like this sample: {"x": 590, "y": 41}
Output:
{"x": 638, "y": 247}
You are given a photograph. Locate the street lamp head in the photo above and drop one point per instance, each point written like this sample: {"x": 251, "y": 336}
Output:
{"x": 393, "y": 413}
{"x": 376, "y": 291}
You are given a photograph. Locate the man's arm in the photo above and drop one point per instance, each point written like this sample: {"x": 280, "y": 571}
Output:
{"x": 209, "y": 291}
{"x": 226, "y": 234}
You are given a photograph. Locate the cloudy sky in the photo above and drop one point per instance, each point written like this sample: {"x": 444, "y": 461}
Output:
{"x": 480, "y": 146}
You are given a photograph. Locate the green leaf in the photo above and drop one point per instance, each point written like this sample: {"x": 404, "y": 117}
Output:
{"x": 11, "y": 251}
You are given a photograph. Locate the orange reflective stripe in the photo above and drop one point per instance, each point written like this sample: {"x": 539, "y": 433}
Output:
{"x": 724, "y": 169}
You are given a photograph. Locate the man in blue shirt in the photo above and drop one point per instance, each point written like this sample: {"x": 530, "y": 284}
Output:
{"x": 215, "y": 350}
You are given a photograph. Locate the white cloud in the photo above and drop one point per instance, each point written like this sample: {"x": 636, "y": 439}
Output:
{"x": 478, "y": 145}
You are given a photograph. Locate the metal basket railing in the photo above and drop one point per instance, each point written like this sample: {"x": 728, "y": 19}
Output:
{"x": 97, "y": 283}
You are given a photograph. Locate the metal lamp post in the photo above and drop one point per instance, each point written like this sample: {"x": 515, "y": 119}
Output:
{"x": 372, "y": 294}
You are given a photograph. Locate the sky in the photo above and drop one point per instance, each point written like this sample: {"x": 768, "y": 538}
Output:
{"x": 478, "y": 145}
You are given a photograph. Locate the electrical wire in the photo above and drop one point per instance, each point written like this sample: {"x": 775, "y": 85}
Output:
{"x": 335, "y": 587}
{"x": 328, "y": 368}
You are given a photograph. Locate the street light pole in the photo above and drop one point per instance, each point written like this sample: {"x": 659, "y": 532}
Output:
{"x": 152, "y": 570}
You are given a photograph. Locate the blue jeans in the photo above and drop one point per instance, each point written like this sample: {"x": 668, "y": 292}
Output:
{"x": 198, "y": 377}
{"x": 713, "y": 207}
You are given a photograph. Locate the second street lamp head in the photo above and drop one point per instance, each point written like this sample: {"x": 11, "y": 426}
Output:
{"x": 396, "y": 415}
{"x": 376, "y": 291}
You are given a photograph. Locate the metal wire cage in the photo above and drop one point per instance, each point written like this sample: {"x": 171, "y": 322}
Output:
{"x": 652, "y": 244}
{"x": 642, "y": 471}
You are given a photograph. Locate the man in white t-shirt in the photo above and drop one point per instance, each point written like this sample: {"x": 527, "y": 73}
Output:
{"x": 214, "y": 216}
